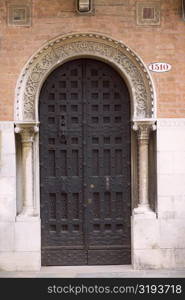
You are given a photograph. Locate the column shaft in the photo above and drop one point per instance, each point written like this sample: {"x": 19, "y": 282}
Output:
{"x": 143, "y": 173}
{"x": 28, "y": 208}
{"x": 143, "y": 129}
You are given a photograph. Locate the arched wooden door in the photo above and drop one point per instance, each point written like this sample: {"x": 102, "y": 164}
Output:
{"x": 85, "y": 165}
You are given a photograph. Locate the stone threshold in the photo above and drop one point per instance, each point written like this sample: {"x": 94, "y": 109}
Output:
{"x": 125, "y": 271}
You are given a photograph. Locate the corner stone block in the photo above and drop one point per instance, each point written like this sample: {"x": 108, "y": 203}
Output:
{"x": 147, "y": 259}
{"x": 27, "y": 236}
{"x": 8, "y": 165}
{"x": 7, "y": 138}
{"x": 28, "y": 261}
{"x": 7, "y": 261}
{"x": 145, "y": 233}
{"x": 171, "y": 135}
{"x": 172, "y": 233}
{"x": 179, "y": 256}
{"x": 7, "y": 208}
{"x": 6, "y": 236}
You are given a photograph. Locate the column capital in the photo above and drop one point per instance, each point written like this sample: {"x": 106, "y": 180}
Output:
{"x": 27, "y": 131}
{"x": 143, "y": 128}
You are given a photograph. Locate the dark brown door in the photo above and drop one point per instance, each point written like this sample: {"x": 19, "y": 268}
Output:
{"x": 85, "y": 165}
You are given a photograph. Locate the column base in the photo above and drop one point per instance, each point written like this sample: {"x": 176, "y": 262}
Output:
{"x": 27, "y": 212}
{"x": 144, "y": 210}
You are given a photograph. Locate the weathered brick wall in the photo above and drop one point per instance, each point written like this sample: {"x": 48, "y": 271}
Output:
{"x": 116, "y": 18}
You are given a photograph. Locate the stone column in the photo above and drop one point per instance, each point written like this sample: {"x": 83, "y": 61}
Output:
{"x": 27, "y": 132}
{"x": 143, "y": 129}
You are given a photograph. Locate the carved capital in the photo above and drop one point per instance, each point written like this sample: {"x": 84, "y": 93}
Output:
{"x": 27, "y": 131}
{"x": 143, "y": 129}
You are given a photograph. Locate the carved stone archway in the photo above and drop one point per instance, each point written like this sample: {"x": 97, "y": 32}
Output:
{"x": 98, "y": 46}
{"x": 54, "y": 54}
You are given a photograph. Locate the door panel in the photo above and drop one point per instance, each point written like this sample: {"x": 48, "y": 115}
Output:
{"x": 108, "y": 166}
{"x": 85, "y": 166}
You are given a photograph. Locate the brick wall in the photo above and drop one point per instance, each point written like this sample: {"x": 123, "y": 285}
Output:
{"x": 116, "y": 18}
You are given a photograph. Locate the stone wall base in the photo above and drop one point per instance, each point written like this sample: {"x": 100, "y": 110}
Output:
{"x": 158, "y": 243}
{"x": 20, "y": 261}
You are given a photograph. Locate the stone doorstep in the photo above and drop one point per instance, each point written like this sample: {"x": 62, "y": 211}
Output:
{"x": 94, "y": 272}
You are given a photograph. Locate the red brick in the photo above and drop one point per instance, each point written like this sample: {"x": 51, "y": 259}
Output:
{"x": 113, "y": 17}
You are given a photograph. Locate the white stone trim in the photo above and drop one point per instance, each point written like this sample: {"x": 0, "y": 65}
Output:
{"x": 171, "y": 122}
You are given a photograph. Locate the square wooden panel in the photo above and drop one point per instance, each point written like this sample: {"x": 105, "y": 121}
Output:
{"x": 148, "y": 13}
{"x": 19, "y": 15}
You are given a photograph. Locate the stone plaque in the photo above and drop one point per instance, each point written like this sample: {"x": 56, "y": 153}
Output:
{"x": 148, "y": 13}
{"x": 19, "y": 15}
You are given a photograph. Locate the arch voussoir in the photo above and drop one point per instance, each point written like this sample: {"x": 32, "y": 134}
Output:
{"x": 93, "y": 45}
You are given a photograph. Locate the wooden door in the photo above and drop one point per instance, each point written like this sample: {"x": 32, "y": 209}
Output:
{"x": 85, "y": 165}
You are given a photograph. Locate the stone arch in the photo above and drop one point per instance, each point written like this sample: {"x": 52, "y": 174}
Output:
{"x": 142, "y": 95}
{"x": 76, "y": 45}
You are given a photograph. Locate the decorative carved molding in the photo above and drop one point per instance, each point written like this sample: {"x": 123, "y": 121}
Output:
{"x": 97, "y": 46}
